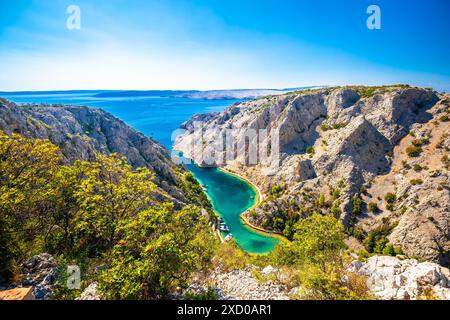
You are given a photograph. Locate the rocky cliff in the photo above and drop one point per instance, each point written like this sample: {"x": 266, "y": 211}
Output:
{"x": 81, "y": 132}
{"x": 387, "y": 278}
{"x": 334, "y": 144}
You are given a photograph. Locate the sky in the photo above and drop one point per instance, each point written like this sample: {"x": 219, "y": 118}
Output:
{"x": 218, "y": 44}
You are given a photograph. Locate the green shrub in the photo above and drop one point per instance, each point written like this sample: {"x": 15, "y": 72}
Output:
{"x": 339, "y": 125}
{"x": 317, "y": 239}
{"x": 309, "y": 150}
{"x": 415, "y": 182}
{"x": 321, "y": 201}
{"x": 230, "y": 256}
{"x": 209, "y": 294}
{"x": 278, "y": 224}
{"x": 413, "y": 151}
{"x": 357, "y": 204}
{"x": 359, "y": 233}
{"x": 373, "y": 207}
{"x": 420, "y": 142}
{"x": 388, "y": 250}
{"x": 335, "y": 209}
{"x": 275, "y": 191}
{"x": 390, "y": 197}
{"x": 376, "y": 240}
{"x": 405, "y": 164}
{"x": 332, "y": 282}
{"x": 335, "y": 193}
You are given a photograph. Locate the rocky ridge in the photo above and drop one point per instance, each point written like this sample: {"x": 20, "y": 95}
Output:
{"x": 81, "y": 132}
{"x": 334, "y": 142}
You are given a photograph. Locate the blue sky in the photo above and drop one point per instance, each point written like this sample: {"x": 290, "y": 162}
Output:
{"x": 218, "y": 44}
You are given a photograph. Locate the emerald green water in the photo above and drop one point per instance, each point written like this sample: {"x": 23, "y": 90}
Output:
{"x": 231, "y": 196}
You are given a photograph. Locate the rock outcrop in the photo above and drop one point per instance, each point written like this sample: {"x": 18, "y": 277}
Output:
{"x": 40, "y": 273}
{"x": 240, "y": 284}
{"x": 390, "y": 278}
{"x": 90, "y": 293}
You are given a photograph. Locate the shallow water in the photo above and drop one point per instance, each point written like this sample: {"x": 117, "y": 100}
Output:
{"x": 231, "y": 196}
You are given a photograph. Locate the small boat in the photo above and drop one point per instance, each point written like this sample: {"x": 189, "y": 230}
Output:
{"x": 228, "y": 237}
{"x": 223, "y": 227}
{"x": 252, "y": 197}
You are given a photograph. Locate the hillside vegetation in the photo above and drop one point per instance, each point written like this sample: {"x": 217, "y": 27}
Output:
{"x": 94, "y": 212}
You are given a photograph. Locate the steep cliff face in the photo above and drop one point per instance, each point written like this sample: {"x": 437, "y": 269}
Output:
{"x": 333, "y": 143}
{"x": 80, "y": 132}
{"x": 419, "y": 178}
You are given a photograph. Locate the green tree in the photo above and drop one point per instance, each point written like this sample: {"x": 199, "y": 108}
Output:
{"x": 157, "y": 252}
{"x": 317, "y": 239}
{"x": 316, "y": 252}
{"x": 27, "y": 167}
{"x": 110, "y": 190}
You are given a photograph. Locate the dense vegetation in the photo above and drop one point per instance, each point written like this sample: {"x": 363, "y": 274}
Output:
{"x": 109, "y": 219}
{"x": 91, "y": 213}
{"x": 318, "y": 256}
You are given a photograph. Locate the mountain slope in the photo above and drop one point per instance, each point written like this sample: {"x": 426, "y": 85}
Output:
{"x": 333, "y": 142}
{"x": 80, "y": 132}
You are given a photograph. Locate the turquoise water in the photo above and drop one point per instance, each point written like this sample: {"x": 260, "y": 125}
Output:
{"x": 230, "y": 196}
{"x": 159, "y": 117}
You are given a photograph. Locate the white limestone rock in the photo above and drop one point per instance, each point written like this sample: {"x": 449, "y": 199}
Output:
{"x": 390, "y": 278}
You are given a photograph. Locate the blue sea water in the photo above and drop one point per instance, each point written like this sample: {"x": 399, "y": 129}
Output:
{"x": 159, "y": 117}
{"x": 155, "y": 116}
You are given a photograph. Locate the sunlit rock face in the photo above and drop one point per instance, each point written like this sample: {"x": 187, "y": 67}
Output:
{"x": 341, "y": 138}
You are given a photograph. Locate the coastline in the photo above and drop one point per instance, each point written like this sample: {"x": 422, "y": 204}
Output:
{"x": 257, "y": 203}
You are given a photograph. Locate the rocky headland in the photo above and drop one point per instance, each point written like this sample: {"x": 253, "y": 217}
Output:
{"x": 376, "y": 157}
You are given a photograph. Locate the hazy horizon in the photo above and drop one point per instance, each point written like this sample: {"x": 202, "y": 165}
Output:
{"x": 217, "y": 45}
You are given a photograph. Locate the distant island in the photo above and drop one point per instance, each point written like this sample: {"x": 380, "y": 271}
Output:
{"x": 190, "y": 94}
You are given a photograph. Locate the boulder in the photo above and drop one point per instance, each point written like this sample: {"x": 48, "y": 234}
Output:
{"x": 390, "y": 278}
{"x": 40, "y": 273}
{"x": 90, "y": 293}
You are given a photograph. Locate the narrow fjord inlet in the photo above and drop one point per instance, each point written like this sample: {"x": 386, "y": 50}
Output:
{"x": 230, "y": 196}
{"x": 158, "y": 117}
